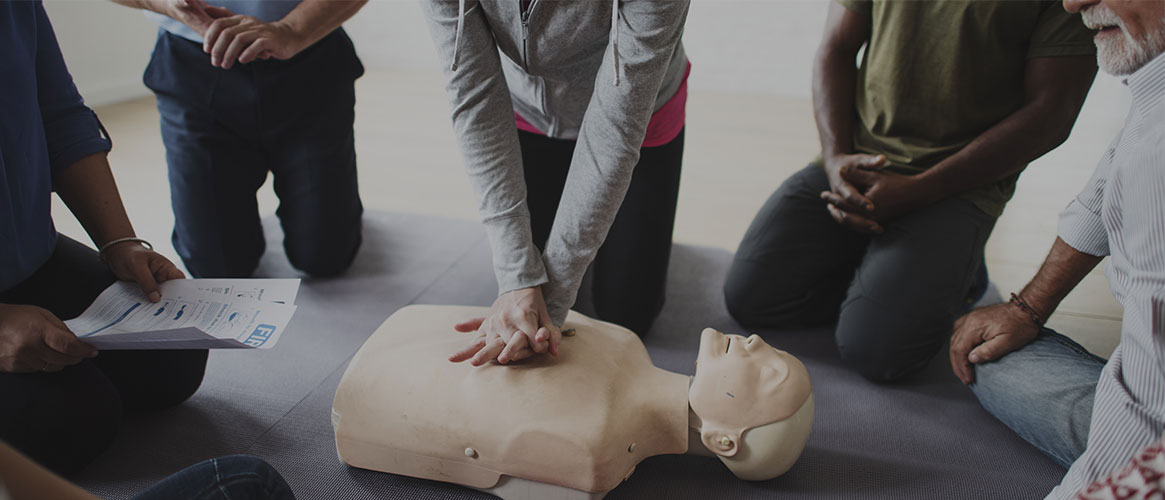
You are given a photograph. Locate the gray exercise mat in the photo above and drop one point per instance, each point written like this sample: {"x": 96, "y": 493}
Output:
{"x": 926, "y": 438}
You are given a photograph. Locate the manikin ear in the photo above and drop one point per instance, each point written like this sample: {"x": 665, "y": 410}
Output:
{"x": 721, "y": 442}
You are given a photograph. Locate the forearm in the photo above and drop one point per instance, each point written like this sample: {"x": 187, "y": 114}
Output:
{"x": 834, "y": 85}
{"x": 88, "y": 189}
{"x": 25, "y": 480}
{"x": 312, "y": 20}
{"x": 1061, "y": 271}
{"x": 1003, "y": 150}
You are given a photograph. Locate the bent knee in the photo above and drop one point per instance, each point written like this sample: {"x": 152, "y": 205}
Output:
{"x": 753, "y": 300}
{"x": 879, "y": 357}
{"x": 185, "y": 371}
{"x": 50, "y": 434}
{"x": 324, "y": 257}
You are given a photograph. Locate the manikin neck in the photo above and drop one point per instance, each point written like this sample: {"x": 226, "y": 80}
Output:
{"x": 695, "y": 444}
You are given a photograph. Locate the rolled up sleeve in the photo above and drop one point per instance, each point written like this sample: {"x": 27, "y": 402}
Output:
{"x": 72, "y": 130}
{"x": 1081, "y": 224}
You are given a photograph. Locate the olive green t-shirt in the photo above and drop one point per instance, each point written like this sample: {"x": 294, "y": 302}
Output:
{"x": 937, "y": 74}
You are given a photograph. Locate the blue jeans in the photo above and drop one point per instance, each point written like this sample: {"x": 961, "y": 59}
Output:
{"x": 224, "y": 130}
{"x": 237, "y": 477}
{"x": 1044, "y": 393}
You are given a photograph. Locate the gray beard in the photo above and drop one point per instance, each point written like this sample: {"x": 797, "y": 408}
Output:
{"x": 1126, "y": 55}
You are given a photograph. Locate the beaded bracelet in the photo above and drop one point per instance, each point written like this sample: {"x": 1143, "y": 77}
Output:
{"x": 1027, "y": 309}
{"x": 107, "y": 246}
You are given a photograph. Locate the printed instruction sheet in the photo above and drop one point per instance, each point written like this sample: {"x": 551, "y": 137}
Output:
{"x": 193, "y": 314}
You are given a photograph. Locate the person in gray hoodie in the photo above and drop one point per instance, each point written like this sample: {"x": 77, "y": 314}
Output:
{"x": 569, "y": 115}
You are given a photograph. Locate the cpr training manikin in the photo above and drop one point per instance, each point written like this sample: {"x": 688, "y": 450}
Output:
{"x": 571, "y": 426}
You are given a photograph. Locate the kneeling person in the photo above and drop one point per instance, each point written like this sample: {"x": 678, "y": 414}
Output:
{"x": 921, "y": 148}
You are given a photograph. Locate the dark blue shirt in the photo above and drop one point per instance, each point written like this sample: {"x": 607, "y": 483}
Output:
{"x": 44, "y": 128}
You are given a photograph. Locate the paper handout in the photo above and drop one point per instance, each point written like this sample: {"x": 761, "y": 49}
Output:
{"x": 193, "y": 314}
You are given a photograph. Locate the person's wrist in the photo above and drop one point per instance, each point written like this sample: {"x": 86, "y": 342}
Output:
{"x": 1024, "y": 307}
{"x": 296, "y": 38}
{"x": 110, "y": 246}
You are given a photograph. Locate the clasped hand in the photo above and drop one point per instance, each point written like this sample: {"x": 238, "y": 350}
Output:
{"x": 862, "y": 198}
{"x": 231, "y": 38}
{"x": 516, "y": 327}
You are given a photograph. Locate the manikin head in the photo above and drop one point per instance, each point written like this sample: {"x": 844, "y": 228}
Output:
{"x": 754, "y": 403}
{"x": 1130, "y": 33}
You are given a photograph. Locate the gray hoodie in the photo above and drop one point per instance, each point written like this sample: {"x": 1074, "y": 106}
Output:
{"x": 567, "y": 71}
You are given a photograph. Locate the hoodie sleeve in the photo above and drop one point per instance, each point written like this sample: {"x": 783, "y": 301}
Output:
{"x": 483, "y": 122}
{"x": 645, "y": 36}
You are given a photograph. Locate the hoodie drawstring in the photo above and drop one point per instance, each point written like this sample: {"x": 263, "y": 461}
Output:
{"x": 457, "y": 37}
{"x": 614, "y": 36}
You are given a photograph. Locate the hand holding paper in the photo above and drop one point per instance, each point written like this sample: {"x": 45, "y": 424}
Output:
{"x": 193, "y": 314}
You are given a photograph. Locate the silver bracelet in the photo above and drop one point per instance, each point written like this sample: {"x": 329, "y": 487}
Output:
{"x": 107, "y": 246}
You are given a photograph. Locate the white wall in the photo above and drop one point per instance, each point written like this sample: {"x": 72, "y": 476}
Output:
{"x": 106, "y": 47}
{"x": 751, "y": 46}
{"x": 739, "y": 46}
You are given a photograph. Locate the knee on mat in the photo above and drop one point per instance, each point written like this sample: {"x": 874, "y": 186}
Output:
{"x": 68, "y": 437}
{"x": 322, "y": 258}
{"x": 184, "y": 373}
{"x": 752, "y": 303}
{"x": 877, "y": 357}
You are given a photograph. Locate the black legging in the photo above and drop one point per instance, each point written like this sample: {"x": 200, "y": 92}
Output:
{"x": 63, "y": 420}
{"x": 630, "y": 270}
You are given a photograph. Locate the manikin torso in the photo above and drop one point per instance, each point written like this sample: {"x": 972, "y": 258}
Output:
{"x": 581, "y": 421}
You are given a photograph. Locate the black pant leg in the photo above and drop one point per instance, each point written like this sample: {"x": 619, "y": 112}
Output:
{"x": 546, "y": 163}
{"x": 630, "y": 268}
{"x": 795, "y": 262}
{"x": 911, "y": 286}
{"x": 61, "y": 420}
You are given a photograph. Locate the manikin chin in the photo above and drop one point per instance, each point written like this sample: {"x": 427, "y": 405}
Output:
{"x": 572, "y": 426}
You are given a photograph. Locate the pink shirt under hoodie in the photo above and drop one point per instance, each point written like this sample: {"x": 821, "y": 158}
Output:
{"x": 666, "y": 123}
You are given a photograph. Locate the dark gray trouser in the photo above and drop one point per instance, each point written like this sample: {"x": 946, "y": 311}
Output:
{"x": 894, "y": 295}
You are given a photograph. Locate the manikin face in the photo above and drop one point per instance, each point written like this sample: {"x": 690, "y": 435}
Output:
{"x": 1130, "y": 33}
{"x": 742, "y": 383}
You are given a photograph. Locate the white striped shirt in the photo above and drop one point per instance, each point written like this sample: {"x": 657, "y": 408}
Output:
{"x": 1121, "y": 213}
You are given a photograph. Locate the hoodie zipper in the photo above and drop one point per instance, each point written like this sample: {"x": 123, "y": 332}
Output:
{"x": 526, "y": 30}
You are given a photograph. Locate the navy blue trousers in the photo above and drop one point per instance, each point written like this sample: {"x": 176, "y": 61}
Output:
{"x": 224, "y": 130}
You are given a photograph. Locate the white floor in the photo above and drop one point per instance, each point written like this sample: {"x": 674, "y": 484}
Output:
{"x": 738, "y": 149}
